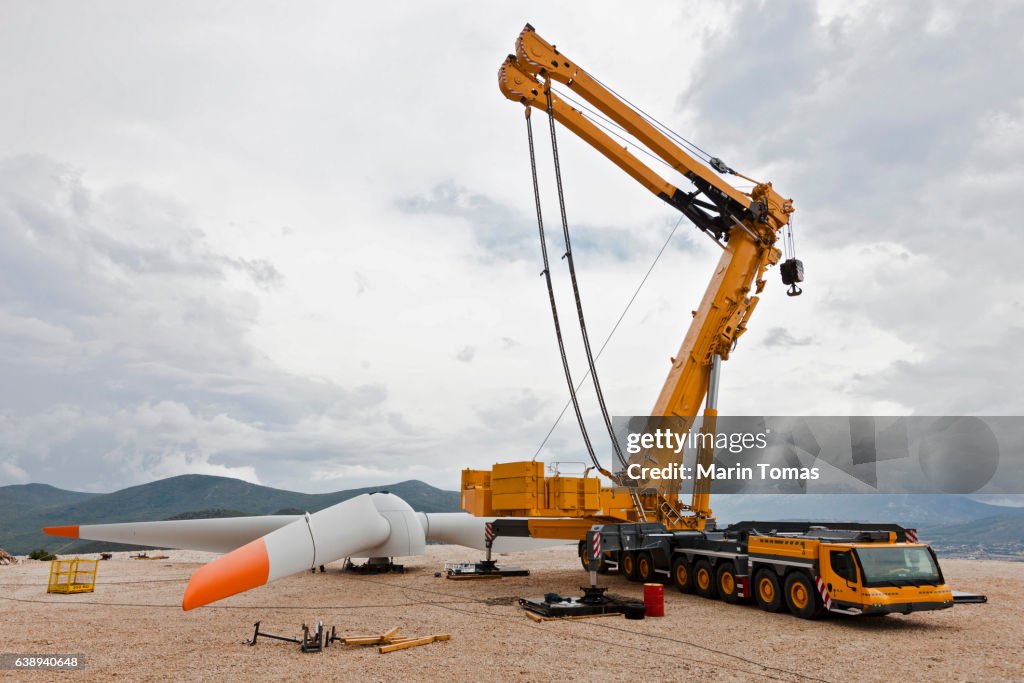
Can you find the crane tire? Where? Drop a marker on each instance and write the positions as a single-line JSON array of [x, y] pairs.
[[704, 580], [725, 581], [801, 597], [629, 568], [682, 575], [767, 591], [645, 568]]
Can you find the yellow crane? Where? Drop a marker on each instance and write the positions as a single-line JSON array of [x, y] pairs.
[[639, 527], [746, 225]]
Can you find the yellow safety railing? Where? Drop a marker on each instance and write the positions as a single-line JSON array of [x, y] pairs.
[[72, 576]]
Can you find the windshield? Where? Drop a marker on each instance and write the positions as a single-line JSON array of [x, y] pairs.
[[898, 566]]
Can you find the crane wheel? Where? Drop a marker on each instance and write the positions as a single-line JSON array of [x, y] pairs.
[[768, 591], [682, 575], [704, 580], [645, 568], [629, 566], [728, 588], [801, 597]]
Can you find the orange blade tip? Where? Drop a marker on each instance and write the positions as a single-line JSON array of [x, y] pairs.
[[236, 572], [65, 531]]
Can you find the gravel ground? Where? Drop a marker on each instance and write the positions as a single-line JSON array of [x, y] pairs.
[[132, 628]]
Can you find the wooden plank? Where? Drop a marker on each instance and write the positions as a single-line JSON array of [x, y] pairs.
[[415, 642], [584, 616], [538, 618], [368, 640], [386, 637], [372, 640]]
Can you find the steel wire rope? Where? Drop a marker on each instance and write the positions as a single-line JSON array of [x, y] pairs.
[[615, 327], [551, 297], [576, 290], [693, 147]]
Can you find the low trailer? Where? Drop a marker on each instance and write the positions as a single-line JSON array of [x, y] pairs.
[[807, 568]]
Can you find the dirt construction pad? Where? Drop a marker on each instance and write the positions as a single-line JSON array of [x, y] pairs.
[[132, 628]]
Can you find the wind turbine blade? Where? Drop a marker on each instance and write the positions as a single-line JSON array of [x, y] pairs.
[[219, 535], [339, 531], [461, 528]]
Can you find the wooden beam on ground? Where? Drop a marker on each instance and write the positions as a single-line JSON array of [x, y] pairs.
[[538, 618], [386, 637], [415, 642]]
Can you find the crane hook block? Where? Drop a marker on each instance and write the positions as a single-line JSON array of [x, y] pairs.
[[792, 271]]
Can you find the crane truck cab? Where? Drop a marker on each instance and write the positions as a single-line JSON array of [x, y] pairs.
[[851, 572]]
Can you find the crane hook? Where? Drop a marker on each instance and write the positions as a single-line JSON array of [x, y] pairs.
[[792, 271]]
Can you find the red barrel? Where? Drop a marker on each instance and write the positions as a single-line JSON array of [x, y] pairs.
[[654, 599]]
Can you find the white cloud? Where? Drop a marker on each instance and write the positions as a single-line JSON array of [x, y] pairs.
[[256, 243]]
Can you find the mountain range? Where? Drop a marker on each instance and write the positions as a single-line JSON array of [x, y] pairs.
[[955, 525]]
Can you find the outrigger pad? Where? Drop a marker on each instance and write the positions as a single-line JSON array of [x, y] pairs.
[[962, 598], [481, 570], [593, 602]]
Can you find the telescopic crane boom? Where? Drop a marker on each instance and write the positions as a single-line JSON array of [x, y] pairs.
[[745, 224]]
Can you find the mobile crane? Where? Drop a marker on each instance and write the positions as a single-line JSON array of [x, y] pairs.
[[640, 527]]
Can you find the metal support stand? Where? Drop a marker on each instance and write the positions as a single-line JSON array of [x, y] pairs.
[[594, 601], [485, 569], [257, 633], [314, 641], [373, 565]]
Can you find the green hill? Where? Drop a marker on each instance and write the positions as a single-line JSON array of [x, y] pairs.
[[28, 508], [1005, 529], [951, 522], [911, 510], [16, 499]]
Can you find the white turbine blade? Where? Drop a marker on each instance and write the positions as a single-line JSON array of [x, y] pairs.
[[461, 528], [219, 535], [339, 531]]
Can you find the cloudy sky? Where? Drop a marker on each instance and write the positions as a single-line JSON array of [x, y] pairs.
[[294, 243]]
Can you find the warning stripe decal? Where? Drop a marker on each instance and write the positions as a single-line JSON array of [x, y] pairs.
[[823, 589]]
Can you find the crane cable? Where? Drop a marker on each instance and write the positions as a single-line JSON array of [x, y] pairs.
[[615, 327], [554, 307], [575, 286], [692, 147]]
